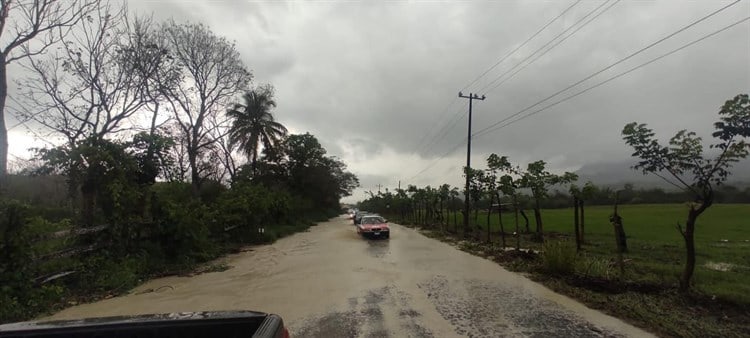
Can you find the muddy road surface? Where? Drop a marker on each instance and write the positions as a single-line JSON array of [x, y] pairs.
[[329, 282]]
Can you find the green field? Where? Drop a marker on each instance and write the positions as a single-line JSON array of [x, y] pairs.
[[656, 249]]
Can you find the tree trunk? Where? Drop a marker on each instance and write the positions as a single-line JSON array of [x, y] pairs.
[[151, 167], [3, 128], [583, 221], [442, 216], [538, 218], [489, 213], [620, 238], [518, 231], [420, 219], [414, 213], [616, 221], [455, 218], [254, 161], [88, 200], [526, 220], [576, 223], [689, 235], [192, 150], [500, 220]]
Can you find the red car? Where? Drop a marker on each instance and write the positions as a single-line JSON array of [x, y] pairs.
[[373, 226]]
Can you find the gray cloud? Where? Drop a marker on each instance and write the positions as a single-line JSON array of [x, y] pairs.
[[369, 79]]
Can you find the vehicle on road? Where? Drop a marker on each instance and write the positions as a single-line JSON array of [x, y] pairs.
[[358, 216], [180, 324], [374, 226]]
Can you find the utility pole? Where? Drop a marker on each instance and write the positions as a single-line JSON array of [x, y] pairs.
[[471, 98], [379, 185]]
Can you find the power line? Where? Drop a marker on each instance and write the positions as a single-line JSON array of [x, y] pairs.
[[444, 131], [610, 66], [552, 47], [543, 46], [438, 160], [436, 136], [434, 124], [520, 46], [491, 127], [421, 146], [614, 77]]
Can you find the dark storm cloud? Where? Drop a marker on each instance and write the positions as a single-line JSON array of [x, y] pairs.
[[369, 79]]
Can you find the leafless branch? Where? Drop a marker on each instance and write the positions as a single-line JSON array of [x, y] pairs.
[[88, 88]]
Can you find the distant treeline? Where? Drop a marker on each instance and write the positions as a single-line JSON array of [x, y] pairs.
[[628, 194], [599, 195]]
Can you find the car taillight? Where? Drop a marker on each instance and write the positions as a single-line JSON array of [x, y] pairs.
[[285, 333]]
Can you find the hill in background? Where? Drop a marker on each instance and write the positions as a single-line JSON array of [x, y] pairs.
[[619, 173]]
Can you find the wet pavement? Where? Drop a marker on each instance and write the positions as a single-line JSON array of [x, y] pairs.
[[329, 282]]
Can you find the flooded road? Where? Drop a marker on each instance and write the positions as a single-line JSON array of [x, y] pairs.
[[329, 282]]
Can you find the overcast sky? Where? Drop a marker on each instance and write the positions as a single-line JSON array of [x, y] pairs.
[[375, 81]]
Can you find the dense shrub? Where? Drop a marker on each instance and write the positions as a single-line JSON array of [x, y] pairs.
[[137, 228], [182, 231], [19, 298], [104, 273]]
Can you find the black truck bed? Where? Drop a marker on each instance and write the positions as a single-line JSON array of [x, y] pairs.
[[181, 324]]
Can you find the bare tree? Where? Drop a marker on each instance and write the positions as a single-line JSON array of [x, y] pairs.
[[226, 151], [179, 171], [88, 88], [213, 75], [27, 29], [148, 55]]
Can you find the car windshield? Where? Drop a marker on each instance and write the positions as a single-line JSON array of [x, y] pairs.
[[373, 220]]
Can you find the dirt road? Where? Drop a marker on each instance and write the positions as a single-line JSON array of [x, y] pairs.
[[328, 282]]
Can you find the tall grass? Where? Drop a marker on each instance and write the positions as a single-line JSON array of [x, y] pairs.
[[558, 258]]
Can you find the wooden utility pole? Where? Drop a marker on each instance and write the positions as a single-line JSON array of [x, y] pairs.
[[471, 98]]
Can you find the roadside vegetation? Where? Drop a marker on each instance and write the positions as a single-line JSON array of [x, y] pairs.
[[675, 262], [167, 156]]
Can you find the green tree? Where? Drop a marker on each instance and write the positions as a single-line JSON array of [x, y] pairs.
[[508, 186], [537, 179], [253, 124], [476, 190], [300, 164], [489, 183], [444, 194], [454, 193], [683, 164]]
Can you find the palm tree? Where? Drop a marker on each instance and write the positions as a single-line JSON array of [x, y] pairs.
[[254, 125]]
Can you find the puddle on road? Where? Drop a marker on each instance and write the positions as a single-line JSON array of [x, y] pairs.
[[378, 248], [383, 312], [484, 309]]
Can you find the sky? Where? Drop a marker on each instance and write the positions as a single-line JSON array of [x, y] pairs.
[[378, 82]]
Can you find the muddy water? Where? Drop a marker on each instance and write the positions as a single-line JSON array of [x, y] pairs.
[[328, 282]]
